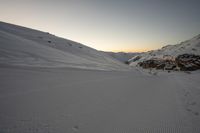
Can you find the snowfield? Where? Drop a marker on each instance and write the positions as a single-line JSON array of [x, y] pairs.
[[60, 100], [28, 47], [121, 56], [53, 85]]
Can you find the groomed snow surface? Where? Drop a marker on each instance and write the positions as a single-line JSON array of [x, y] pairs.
[[66, 100], [53, 85]]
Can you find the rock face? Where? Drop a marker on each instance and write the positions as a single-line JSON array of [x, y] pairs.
[[188, 62], [158, 64], [152, 63], [184, 62]]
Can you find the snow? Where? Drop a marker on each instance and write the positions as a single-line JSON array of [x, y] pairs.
[[191, 46], [121, 56], [49, 100], [53, 85], [28, 47]]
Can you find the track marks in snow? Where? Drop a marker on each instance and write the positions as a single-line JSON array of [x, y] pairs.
[[110, 103], [20, 93]]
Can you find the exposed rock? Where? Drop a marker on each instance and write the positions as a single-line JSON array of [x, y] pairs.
[[184, 62], [170, 67], [188, 62], [170, 64], [153, 63], [161, 66], [169, 53], [135, 58]]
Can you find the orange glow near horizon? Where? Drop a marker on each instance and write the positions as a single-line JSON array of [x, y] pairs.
[[103, 25], [131, 50]]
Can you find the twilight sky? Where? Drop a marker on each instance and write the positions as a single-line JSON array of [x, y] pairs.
[[109, 25]]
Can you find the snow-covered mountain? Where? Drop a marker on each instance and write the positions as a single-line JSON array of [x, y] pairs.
[[27, 47], [169, 52], [42, 99], [121, 56]]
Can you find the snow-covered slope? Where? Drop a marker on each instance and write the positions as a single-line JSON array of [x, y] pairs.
[[191, 46], [121, 56], [28, 47]]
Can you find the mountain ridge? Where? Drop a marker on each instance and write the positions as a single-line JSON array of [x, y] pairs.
[[188, 50], [30, 47]]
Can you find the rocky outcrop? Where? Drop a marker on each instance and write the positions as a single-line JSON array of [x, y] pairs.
[[188, 62], [152, 63], [184, 62], [158, 64]]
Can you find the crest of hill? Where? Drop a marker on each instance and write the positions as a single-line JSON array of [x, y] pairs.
[[22, 46]]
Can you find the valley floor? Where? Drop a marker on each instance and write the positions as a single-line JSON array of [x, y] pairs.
[[66, 100]]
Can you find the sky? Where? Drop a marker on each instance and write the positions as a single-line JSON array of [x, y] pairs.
[[109, 25]]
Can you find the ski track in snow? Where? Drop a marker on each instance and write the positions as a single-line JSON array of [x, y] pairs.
[[71, 85], [90, 101]]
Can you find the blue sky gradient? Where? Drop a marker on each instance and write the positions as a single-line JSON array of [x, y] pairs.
[[110, 25]]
